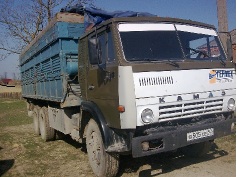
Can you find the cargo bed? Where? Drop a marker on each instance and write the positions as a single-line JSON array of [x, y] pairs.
[[49, 64]]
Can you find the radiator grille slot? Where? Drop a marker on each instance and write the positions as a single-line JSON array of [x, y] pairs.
[[176, 111], [150, 81]]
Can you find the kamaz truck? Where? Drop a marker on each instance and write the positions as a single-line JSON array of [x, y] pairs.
[[132, 84]]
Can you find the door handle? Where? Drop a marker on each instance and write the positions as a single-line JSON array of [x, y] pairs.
[[91, 87]]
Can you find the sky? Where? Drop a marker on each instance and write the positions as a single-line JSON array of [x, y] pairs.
[[196, 10]]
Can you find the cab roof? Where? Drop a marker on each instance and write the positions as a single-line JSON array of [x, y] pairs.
[[149, 20]]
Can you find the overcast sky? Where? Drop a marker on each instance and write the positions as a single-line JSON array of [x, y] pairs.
[[197, 10]]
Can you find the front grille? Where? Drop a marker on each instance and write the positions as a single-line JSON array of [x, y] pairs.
[[195, 108]]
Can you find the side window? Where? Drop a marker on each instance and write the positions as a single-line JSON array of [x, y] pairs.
[[111, 56], [194, 47], [102, 49]]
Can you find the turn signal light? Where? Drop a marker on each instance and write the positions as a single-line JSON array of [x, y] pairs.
[[121, 108]]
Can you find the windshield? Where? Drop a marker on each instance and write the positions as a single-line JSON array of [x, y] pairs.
[[158, 42]]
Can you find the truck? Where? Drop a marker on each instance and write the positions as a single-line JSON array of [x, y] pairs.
[[132, 84]]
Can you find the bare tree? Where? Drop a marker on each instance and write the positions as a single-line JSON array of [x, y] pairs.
[[21, 21]]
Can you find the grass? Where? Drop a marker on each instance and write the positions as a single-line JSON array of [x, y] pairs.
[[13, 113], [19, 144], [22, 153]]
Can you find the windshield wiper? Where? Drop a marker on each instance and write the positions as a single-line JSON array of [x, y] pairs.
[[172, 63], [221, 60]]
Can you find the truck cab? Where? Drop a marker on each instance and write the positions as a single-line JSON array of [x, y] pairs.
[[159, 83]]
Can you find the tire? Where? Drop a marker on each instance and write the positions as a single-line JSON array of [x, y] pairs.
[[102, 163], [36, 120], [197, 150], [47, 133]]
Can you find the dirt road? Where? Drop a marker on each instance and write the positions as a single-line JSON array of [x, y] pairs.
[[24, 154], [32, 157]]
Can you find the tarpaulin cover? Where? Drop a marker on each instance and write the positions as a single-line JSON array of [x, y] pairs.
[[94, 16]]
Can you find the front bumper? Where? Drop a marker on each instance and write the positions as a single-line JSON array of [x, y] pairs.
[[177, 137]]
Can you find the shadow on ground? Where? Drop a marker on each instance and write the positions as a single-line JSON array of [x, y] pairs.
[[74, 143], [164, 162], [5, 165]]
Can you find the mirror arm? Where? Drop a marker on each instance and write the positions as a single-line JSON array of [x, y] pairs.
[[229, 48]]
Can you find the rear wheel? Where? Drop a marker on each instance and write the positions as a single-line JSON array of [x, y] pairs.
[[36, 120], [102, 163], [197, 150], [47, 133]]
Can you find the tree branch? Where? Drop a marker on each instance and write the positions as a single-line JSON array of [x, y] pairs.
[[22, 22], [10, 50]]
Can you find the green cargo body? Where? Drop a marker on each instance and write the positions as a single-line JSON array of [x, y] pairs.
[[49, 65]]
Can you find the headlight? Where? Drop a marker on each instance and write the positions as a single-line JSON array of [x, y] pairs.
[[231, 104], [147, 116]]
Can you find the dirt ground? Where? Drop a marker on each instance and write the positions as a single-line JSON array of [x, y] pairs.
[[24, 154]]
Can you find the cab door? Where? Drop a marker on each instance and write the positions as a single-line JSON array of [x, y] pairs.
[[102, 78]]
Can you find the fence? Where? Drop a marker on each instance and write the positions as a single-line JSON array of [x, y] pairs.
[[12, 95]]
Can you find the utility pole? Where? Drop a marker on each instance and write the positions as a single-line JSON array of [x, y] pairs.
[[14, 76], [222, 21]]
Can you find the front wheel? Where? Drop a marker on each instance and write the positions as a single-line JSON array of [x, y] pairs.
[[102, 163]]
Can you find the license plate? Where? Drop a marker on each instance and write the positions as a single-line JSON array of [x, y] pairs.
[[200, 134]]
